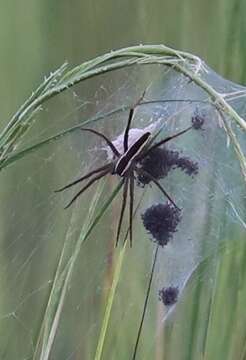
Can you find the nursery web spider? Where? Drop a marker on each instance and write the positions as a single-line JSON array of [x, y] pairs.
[[125, 165]]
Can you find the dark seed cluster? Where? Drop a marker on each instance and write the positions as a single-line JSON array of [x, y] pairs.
[[169, 295], [197, 120], [187, 165], [161, 221], [160, 161]]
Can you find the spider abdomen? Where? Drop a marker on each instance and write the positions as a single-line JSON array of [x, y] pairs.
[[126, 160]]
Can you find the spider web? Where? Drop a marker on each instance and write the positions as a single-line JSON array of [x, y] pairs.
[[34, 224]]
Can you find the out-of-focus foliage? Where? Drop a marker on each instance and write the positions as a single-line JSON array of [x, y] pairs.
[[36, 37]]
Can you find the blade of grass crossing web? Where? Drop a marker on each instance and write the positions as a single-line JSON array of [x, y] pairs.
[[57, 293], [109, 304], [117, 272], [63, 276]]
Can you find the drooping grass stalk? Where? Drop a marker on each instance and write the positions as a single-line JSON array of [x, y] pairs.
[[187, 64], [23, 118], [223, 108]]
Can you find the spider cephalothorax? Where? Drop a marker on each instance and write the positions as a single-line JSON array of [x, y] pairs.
[[128, 165]]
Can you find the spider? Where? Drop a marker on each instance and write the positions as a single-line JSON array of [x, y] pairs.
[[126, 165]]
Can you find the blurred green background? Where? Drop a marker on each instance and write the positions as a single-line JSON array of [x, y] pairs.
[[38, 36]]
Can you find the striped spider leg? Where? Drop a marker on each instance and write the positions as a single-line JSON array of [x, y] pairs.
[[125, 165]]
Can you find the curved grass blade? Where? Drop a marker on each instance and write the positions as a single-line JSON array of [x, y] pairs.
[[182, 62]]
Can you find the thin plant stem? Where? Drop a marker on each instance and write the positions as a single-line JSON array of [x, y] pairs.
[[110, 301], [111, 296], [145, 304]]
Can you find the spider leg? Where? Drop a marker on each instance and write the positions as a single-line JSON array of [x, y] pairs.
[[131, 206], [134, 214], [166, 140], [86, 176], [123, 206], [105, 172], [126, 134], [145, 173], [110, 144]]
